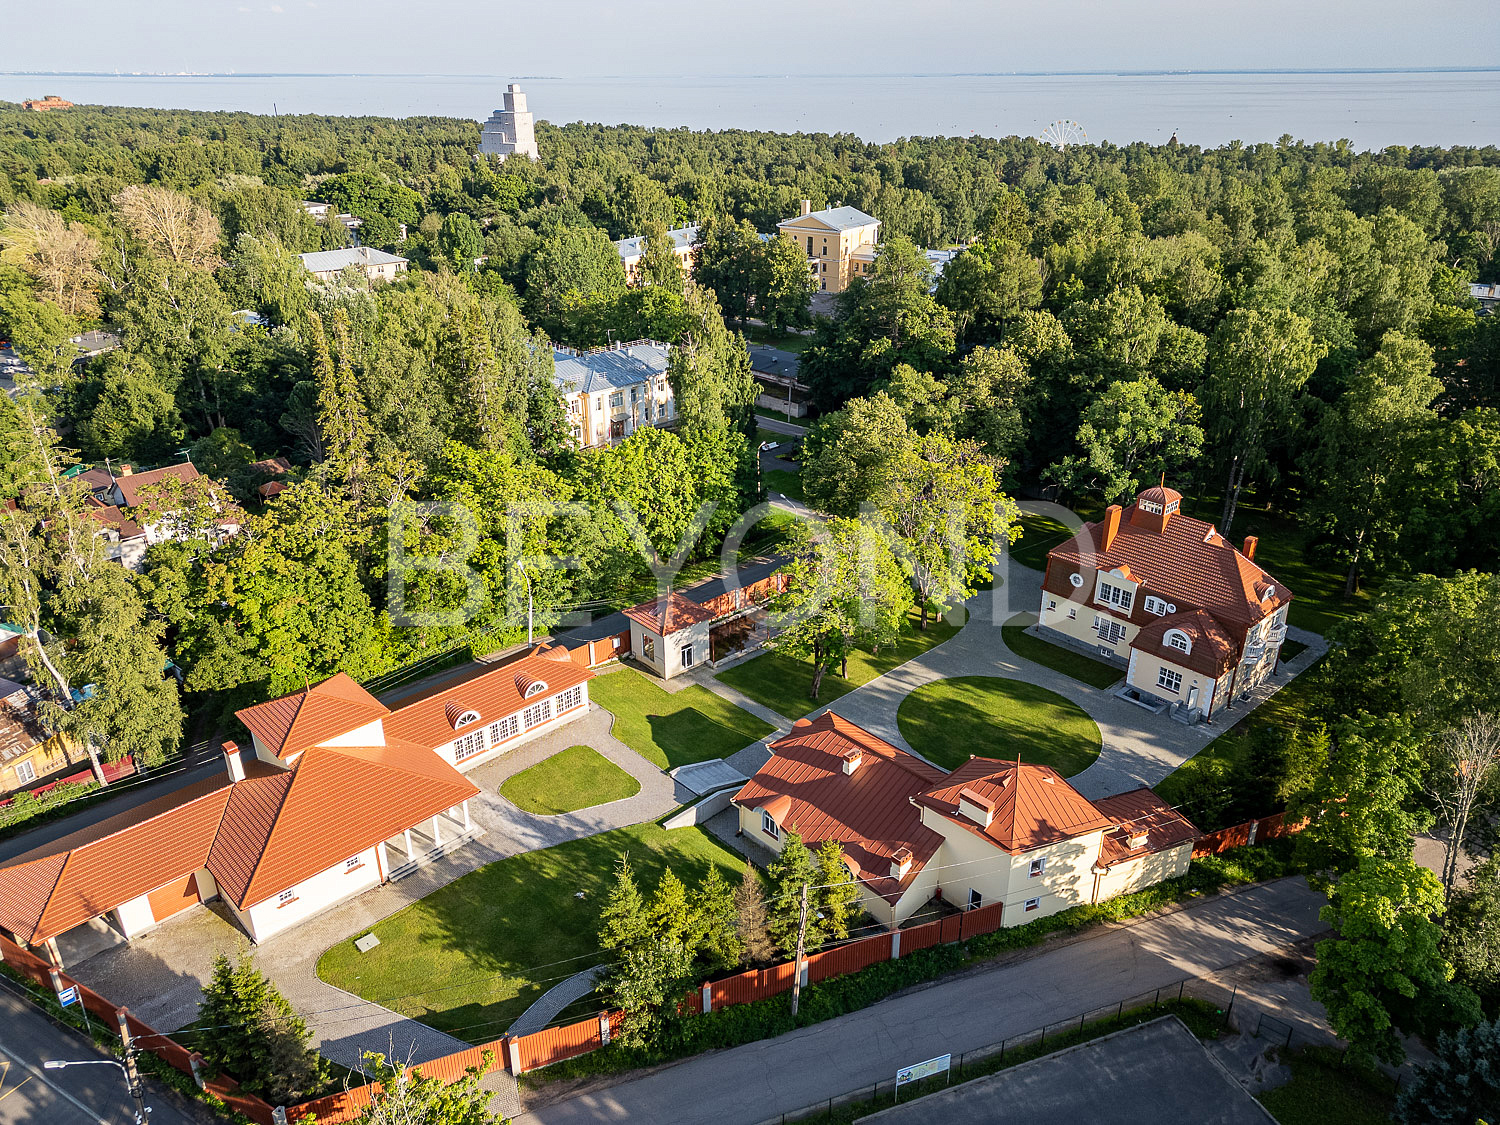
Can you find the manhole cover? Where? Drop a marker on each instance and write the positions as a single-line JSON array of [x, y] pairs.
[[366, 943]]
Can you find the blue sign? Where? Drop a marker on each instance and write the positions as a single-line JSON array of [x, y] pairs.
[[923, 1070], [68, 996]]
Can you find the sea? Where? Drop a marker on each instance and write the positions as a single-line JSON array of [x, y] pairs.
[[1372, 110]]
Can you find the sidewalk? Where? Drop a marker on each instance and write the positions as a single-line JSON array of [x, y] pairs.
[[750, 1084]]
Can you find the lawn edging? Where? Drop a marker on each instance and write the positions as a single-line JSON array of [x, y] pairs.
[[739, 1024]]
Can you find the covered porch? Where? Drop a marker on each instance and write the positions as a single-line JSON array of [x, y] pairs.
[[427, 841]]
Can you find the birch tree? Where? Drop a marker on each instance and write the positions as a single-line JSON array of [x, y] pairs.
[[1466, 758]]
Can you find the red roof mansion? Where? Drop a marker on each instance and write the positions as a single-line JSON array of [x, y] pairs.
[[1192, 619]]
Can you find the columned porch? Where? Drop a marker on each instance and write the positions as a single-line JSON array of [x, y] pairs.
[[426, 841]]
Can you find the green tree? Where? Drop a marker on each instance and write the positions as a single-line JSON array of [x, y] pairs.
[[407, 1097], [944, 503], [751, 920], [837, 898], [1135, 431], [1258, 363], [1364, 462], [727, 261], [886, 319], [624, 921], [1364, 802], [845, 589], [793, 869], [670, 917], [579, 261], [343, 422], [783, 286], [251, 1032], [460, 241], [659, 266], [1471, 931], [990, 390], [716, 936], [848, 456], [1384, 974], [987, 284], [266, 213], [1461, 1086]]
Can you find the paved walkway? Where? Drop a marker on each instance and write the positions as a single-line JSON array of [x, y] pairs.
[[756, 1082], [1139, 748], [550, 1003]]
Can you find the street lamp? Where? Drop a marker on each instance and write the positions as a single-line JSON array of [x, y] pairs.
[[132, 1083]]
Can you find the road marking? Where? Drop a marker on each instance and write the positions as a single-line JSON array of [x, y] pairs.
[[40, 1077]]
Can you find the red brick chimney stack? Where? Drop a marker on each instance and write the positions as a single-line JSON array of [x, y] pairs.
[[1111, 527]]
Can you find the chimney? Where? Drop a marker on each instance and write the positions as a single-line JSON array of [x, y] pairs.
[[233, 763], [807, 207], [125, 471], [900, 863], [852, 758], [1137, 839], [1249, 551], [1111, 527], [976, 808]]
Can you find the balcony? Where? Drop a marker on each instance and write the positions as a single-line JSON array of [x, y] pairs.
[[1253, 652]]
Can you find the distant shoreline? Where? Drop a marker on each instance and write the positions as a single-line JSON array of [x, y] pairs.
[[1161, 73]]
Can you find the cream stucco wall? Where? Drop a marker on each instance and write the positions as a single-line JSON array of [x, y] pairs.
[[1145, 871], [311, 896], [448, 752], [1145, 669], [666, 657], [134, 917], [830, 249], [1054, 614]]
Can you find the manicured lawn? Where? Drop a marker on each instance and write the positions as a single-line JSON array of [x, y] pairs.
[[576, 778], [787, 341], [948, 720], [787, 483], [1095, 673], [1323, 1092], [1039, 534], [673, 728], [782, 682], [472, 956]]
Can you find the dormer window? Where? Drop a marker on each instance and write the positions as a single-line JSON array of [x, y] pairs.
[[1158, 606], [1270, 593], [1179, 640], [1117, 596], [1172, 506], [1150, 506], [533, 689], [466, 718]]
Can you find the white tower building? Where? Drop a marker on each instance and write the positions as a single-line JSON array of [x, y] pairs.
[[510, 131]]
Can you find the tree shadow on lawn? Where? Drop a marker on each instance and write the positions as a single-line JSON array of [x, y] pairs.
[[691, 736], [472, 956], [988, 717]]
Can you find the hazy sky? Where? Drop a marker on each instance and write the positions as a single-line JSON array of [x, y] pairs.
[[701, 37]]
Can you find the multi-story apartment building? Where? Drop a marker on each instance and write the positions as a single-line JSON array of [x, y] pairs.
[[612, 392], [840, 243], [633, 249]]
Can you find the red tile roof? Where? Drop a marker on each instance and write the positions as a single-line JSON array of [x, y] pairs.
[[665, 616], [110, 516], [495, 693], [20, 727], [282, 831], [1188, 562], [273, 466], [257, 837], [1038, 809], [1136, 812], [130, 486], [869, 812], [1212, 648], [325, 710]]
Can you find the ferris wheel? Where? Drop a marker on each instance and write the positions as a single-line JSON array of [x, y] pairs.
[[1061, 134]]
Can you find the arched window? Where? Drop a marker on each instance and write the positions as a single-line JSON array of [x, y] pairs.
[[466, 718], [535, 687], [1179, 640]]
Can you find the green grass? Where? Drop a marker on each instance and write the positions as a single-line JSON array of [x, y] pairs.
[[1325, 1092], [673, 728], [948, 720], [794, 342], [576, 778], [787, 483], [783, 682], [1039, 534], [1085, 669], [472, 956]]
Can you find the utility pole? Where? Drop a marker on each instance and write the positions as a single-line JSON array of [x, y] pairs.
[[132, 1073], [800, 961]]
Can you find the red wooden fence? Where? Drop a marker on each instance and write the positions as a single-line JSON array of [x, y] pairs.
[[1252, 831]]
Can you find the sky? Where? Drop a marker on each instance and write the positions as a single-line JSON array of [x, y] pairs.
[[577, 38]]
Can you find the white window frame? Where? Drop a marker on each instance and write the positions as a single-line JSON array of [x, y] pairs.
[[1157, 605], [1110, 631], [470, 744], [976, 900], [25, 772], [769, 826], [567, 700], [1169, 679], [687, 656], [1031, 904], [505, 728], [1179, 640], [352, 863], [1117, 596], [287, 896], [537, 715], [1037, 868]]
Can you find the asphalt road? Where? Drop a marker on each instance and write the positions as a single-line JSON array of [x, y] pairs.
[[82, 1095], [758, 1081]]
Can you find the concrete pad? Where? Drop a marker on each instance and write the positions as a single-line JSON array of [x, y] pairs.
[[705, 777], [1157, 1072]]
